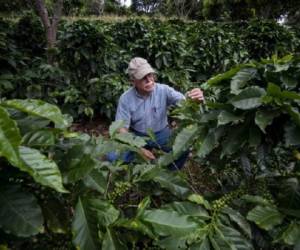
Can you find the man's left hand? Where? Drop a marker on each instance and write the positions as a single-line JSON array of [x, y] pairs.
[[196, 94]]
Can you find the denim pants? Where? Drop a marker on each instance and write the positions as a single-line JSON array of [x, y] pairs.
[[161, 142]]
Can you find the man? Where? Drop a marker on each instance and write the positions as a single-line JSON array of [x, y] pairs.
[[144, 106]]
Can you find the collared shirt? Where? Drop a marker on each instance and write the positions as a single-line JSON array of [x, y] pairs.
[[142, 113]]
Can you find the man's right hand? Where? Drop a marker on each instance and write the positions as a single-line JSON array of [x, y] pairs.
[[148, 154]]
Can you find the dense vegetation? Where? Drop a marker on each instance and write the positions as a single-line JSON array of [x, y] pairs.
[[246, 137], [58, 192], [92, 57]]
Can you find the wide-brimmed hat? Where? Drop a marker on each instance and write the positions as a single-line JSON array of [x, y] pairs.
[[139, 67]]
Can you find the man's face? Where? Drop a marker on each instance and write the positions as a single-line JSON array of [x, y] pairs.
[[145, 85]]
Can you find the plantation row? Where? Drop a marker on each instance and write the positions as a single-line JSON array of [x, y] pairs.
[[91, 57], [56, 189]]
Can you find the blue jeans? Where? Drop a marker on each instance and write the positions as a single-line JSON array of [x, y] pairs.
[[161, 142]]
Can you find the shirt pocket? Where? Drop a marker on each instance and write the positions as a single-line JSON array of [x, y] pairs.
[[158, 112]]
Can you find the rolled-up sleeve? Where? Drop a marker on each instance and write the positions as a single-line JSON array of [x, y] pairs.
[[123, 113], [173, 96]]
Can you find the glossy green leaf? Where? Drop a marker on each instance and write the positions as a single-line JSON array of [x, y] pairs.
[[234, 141], [115, 126], [107, 214], [249, 98], [265, 217], [188, 208], [240, 220], [167, 222], [10, 138], [96, 180], [85, 225], [173, 182], [226, 117], [172, 242], [43, 170], [294, 113], [39, 138], [292, 135], [203, 245], [263, 118], [240, 79], [229, 238], [210, 141], [136, 225], [20, 213], [143, 205], [199, 199], [130, 139], [292, 233], [77, 164], [41, 109], [184, 138], [112, 241], [225, 76], [56, 216]]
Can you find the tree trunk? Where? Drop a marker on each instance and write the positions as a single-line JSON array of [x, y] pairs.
[[50, 24]]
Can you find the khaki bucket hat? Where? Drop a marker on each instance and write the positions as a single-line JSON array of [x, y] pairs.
[[139, 67]]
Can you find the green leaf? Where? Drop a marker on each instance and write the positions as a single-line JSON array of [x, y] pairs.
[[225, 76], [199, 199], [56, 216], [263, 118], [143, 205], [85, 226], [184, 138], [112, 241], [77, 164], [96, 180], [210, 141], [115, 126], [256, 200], [172, 242], [240, 79], [10, 138], [39, 138], [202, 245], [265, 217], [107, 214], [240, 220], [229, 238], [294, 113], [173, 182], [292, 135], [136, 225], [145, 172], [41, 109], [187, 208], [165, 222], [20, 213], [43, 170], [249, 98], [235, 139], [292, 234], [130, 139], [226, 117]]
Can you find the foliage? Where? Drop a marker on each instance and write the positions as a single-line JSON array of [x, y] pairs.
[[245, 10], [92, 57], [248, 133]]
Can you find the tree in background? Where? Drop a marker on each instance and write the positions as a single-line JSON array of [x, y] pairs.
[[14, 6], [50, 23], [247, 9], [145, 6]]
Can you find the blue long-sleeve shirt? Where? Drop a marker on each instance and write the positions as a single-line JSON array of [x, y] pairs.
[[141, 114]]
